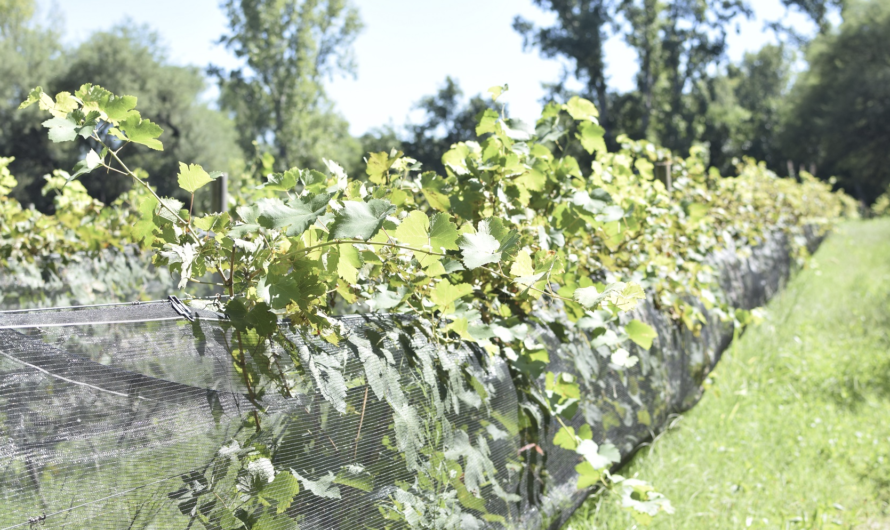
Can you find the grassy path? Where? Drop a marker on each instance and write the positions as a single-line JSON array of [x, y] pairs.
[[794, 430]]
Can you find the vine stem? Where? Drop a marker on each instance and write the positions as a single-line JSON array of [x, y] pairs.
[[374, 243], [145, 185], [360, 422], [530, 288]]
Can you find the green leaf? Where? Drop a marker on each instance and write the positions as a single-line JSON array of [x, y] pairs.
[[37, 95], [314, 182], [587, 475], [141, 131], [443, 233], [480, 248], [192, 177], [432, 186], [355, 477], [591, 452], [591, 136], [522, 266], [623, 295], [566, 438], [436, 235], [378, 166], [298, 215], [414, 230], [349, 263], [487, 122], [283, 181], [282, 490], [360, 219], [446, 294], [301, 289], [262, 319], [64, 104], [323, 487], [581, 109], [642, 334], [496, 91], [117, 108], [89, 163], [61, 129]]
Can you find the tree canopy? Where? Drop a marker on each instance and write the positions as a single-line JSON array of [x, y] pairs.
[[278, 99], [838, 117]]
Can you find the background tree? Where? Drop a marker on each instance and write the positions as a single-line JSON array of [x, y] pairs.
[[289, 47], [30, 53], [745, 109], [578, 35], [679, 45], [838, 116], [448, 120]]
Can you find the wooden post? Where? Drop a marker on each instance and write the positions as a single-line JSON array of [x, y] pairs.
[[220, 191], [663, 173]]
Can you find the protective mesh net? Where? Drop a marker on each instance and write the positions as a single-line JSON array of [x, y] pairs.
[[134, 416]]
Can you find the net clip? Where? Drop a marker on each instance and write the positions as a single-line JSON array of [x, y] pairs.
[[181, 308]]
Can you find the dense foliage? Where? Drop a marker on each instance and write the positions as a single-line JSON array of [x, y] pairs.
[[514, 233]]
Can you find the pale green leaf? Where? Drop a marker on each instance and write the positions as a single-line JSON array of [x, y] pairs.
[[591, 136], [480, 248], [581, 109], [61, 129], [89, 163], [642, 334], [487, 122], [414, 230], [192, 177], [446, 294], [497, 90]]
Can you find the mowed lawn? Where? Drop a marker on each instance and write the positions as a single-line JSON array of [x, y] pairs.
[[794, 428]]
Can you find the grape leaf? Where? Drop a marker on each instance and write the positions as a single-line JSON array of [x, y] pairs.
[[117, 108], [480, 248], [432, 186], [360, 219], [141, 131], [89, 163], [566, 438], [192, 177], [297, 215], [487, 121], [581, 109], [414, 230], [37, 95], [282, 490], [61, 129], [378, 166], [443, 233], [642, 334], [446, 294], [299, 288], [591, 136]]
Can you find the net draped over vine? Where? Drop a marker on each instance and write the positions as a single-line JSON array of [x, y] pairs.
[[135, 416]]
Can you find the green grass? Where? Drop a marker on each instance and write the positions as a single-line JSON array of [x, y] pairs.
[[794, 429]]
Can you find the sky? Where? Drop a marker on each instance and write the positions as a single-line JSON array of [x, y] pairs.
[[405, 52]]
